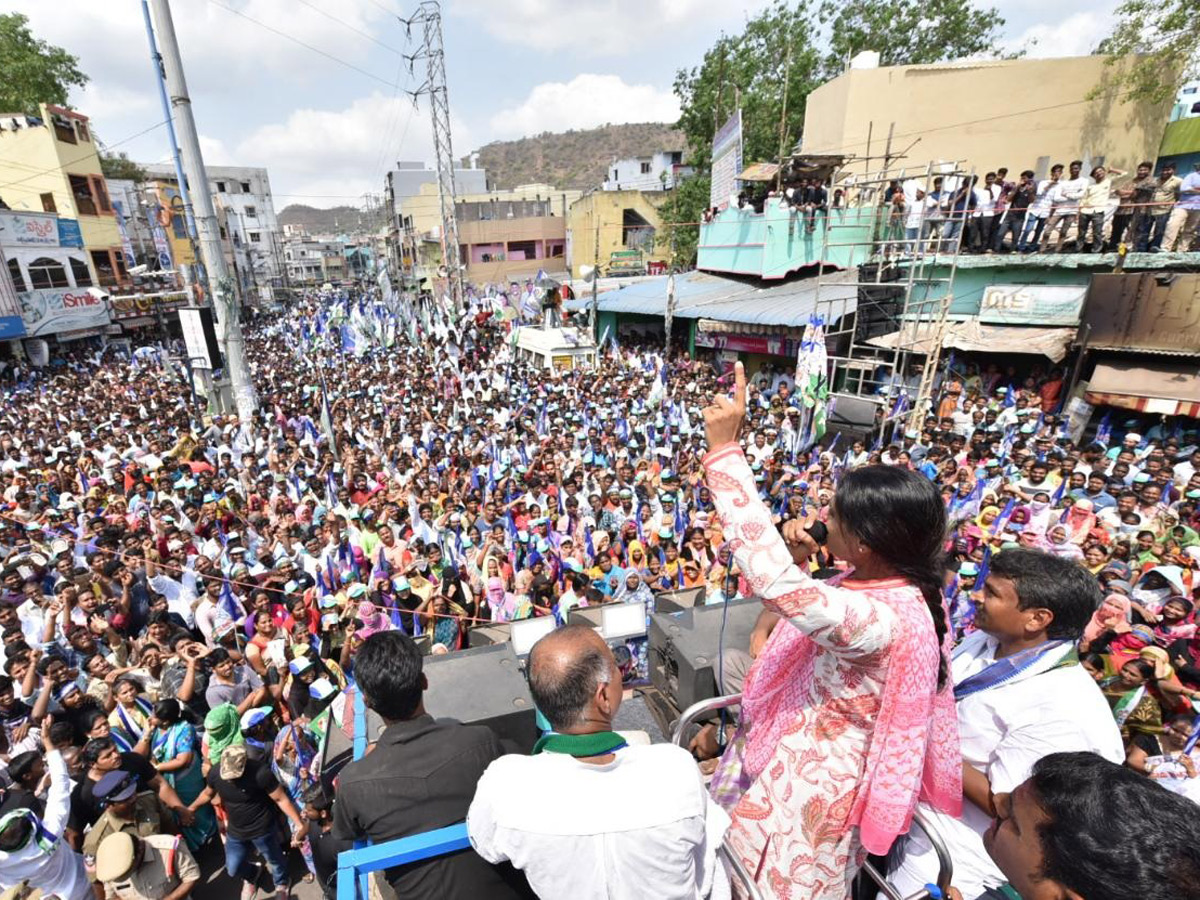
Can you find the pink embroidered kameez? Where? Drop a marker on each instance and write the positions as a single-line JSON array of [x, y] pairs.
[[836, 745]]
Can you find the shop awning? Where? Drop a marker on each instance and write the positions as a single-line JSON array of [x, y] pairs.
[[971, 336], [1169, 390], [763, 171]]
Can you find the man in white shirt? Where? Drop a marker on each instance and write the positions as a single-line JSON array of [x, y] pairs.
[[1022, 695], [588, 817], [1065, 198]]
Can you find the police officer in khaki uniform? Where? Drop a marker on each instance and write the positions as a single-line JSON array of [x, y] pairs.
[[124, 810], [159, 867]]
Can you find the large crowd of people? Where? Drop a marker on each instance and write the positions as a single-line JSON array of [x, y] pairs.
[[186, 601]]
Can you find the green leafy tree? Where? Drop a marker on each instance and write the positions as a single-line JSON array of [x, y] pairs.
[[1154, 49], [32, 71], [812, 43], [772, 59], [119, 165], [907, 32], [681, 213]]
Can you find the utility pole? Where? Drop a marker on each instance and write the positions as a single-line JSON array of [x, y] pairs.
[[209, 237], [595, 268]]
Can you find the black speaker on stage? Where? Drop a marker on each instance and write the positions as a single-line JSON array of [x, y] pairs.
[[685, 651], [677, 601], [487, 635], [484, 686], [592, 616]]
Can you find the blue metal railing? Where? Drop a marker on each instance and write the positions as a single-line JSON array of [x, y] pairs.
[[354, 866]]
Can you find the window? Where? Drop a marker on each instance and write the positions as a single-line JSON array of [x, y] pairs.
[[645, 168], [100, 190], [81, 131], [220, 187], [251, 212], [245, 187], [45, 272], [178, 226], [48, 204], [63, 130], [18, 280], [81, 189], [255, 237], [80, 271], [104, 267]]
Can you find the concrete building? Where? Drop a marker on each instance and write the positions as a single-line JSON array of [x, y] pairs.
[[49, 163], [246, 213], [313, 261], [52, 275], [627, 221], [1021, 113], [660, 171]]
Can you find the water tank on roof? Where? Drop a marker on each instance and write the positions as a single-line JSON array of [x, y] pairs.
[[868, 59]]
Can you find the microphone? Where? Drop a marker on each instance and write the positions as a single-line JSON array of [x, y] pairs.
[[818, 532]]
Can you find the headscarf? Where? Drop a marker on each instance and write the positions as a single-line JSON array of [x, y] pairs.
[[1062, 546], [641, 593], [372, 620], [222, 730], [1080, 520], [1113, 615]]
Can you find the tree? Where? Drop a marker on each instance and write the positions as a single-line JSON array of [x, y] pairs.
[[32, 71], [748, 71], [683, 209], [812, 44], [119, 165], [907, 32], [1154, 48]]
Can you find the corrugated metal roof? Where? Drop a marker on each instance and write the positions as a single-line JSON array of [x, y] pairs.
[[703, 295]]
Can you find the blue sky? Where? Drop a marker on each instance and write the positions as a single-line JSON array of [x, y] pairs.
[[328, 130]]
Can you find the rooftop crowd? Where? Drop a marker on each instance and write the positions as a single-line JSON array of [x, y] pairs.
[[185, 601]]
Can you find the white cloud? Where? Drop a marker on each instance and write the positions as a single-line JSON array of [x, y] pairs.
[[1076, 35], [326, 157], [600, 27], [584, 102]]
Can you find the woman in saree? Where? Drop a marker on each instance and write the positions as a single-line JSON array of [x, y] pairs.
[[847, 714], [1110, 621], [175, 753], [1133, 705]]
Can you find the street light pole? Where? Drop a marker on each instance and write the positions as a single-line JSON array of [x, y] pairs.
[[219, 282]]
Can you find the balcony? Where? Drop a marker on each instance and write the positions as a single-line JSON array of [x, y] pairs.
[[781, 240]]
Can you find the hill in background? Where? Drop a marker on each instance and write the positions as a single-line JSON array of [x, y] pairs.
[[573, 159], [321, 221]]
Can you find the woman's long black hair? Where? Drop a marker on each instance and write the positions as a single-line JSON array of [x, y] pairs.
[[900, 515]]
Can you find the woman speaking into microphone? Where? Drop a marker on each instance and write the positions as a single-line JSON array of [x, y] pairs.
[[847, 716]]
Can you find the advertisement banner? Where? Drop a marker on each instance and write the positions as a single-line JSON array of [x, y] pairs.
[[11, 325], [163, 247], [28, 229], [132, 306], [62, 310], [126, 244], [726, 161], [69, 234], [1032, 304]]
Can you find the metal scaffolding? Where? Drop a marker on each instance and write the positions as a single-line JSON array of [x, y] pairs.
[[904, 293]]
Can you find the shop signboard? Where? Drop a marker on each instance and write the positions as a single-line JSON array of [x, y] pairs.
[[29, 229], [69, 233], [1032, 304], [63, 310], [131, 306], [11, 325], [1148, 311], [726, 161]]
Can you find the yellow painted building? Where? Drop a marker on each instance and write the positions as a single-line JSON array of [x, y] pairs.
[[1021, 114], [171, 217], [49, 163], [627, 220]]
